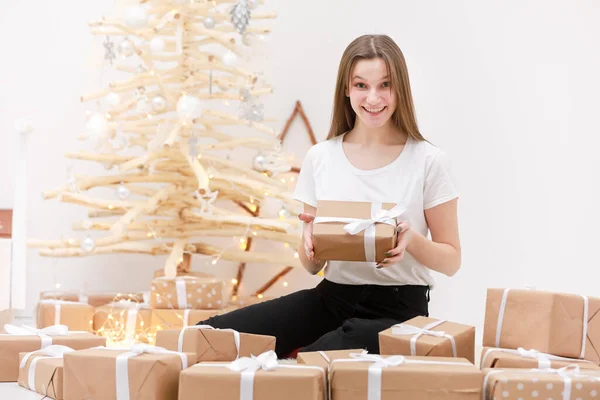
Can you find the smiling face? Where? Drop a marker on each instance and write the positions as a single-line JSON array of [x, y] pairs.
[[370, 92]]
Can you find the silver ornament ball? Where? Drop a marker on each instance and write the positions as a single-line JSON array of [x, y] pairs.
[[159, 103], [126, 48], [122, 192], [88, 244], [258, 162], [209, 22]]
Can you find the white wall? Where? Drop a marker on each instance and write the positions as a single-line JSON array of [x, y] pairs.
[[509, 89]]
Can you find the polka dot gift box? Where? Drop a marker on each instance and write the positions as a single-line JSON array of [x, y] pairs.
[[570, 383], [188, 292]]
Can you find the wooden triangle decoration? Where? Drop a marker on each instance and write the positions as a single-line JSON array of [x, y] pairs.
[[298, 112]]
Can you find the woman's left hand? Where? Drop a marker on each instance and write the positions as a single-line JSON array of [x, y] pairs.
[[404, 232]]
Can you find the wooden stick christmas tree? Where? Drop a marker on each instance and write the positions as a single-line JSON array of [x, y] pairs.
[[163, 135]]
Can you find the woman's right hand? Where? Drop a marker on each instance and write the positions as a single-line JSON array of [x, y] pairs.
[[308, 236]]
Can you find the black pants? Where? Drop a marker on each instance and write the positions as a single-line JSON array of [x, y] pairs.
[[331, 316]]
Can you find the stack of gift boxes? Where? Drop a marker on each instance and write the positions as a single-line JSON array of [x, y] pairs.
[[537, 345]]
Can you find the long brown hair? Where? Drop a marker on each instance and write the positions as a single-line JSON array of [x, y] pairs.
[[364, 48]]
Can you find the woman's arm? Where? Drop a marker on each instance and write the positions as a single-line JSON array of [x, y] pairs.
[[306, 250], [442, 253]]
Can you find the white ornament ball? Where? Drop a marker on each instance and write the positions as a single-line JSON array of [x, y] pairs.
[[157, 45], [259, 162], [159, 103], [230, 58], [23, 125], [188, 107], [126, 48], [97, 125], [113, 99], [136, 17], [88, 244], [122, 192], [209, 22]]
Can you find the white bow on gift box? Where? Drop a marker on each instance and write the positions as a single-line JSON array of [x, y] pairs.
[[380, 362], [356, 225], [405, 329], [248, 366], [122, 364], [45, 334], [54, 351]]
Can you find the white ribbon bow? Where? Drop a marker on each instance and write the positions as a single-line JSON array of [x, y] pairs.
[[503, 309], [566, 373], [45, 334], [122, 367], [381, 362], [54, 351], [236, 336], [356, 225], [544, 359], [405, 329], [248, 366]]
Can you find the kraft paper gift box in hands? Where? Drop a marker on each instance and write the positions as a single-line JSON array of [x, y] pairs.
[[566, 325], [355, 231]]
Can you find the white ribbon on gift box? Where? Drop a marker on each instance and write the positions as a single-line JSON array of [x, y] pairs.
[[356, 225], [381, 362], [503, 309], [248, 366], [406, 329], [45, 334], [186, 317], [133, 310], [567, 373], [122, 364], [54, 351], [544, 359], [57, 307], [236, 336]]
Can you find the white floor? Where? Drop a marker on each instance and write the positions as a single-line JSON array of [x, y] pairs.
[[13, 391]]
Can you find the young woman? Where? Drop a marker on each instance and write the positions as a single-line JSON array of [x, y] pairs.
[[374, 152]]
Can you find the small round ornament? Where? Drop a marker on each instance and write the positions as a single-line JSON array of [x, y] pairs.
[[88, 244]]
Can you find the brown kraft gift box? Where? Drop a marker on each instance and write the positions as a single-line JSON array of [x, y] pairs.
[[332, 242], [217, 381], [102, 299], [12, 345], [91, 375], [450, 379], [200, 293], [48, 375], [214, 344], [535, 384], [551, 323], [173, 319], [317, 359], [428, 345], [60, 295], [159, 273], [113, 320], [77, 316], [510, 358]]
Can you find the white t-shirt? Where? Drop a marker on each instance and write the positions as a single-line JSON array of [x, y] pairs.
[[418, 178]]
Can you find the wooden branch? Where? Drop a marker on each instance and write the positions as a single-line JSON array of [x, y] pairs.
[[273, 280], [175, 258], [146, 207]]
